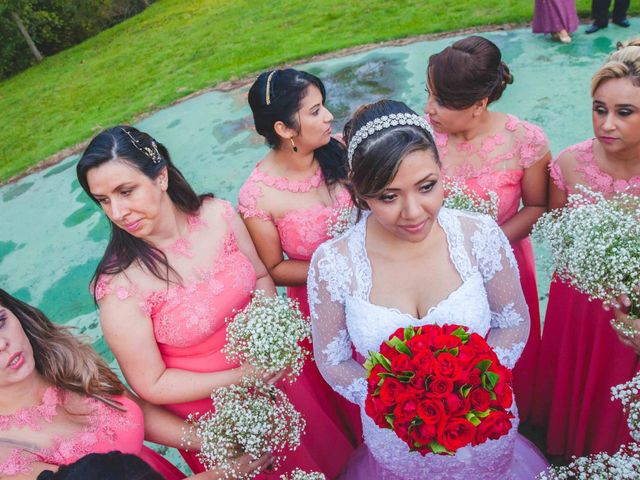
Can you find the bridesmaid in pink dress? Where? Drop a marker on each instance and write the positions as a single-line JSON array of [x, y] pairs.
[[60, 402], [177, 265], [492, 152], [286, 204], [581, 357]]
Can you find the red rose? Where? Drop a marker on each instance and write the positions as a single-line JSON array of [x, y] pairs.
[[504, 395], [406, 407], [440, 386], [376, 409], [480, 399], [374, 378], [389, 390], [431, 410], [424, 434], [447, 365], [494, 426], [402, 430], [423, 362], [446, 341], [417, 343], [449, 329], [401, 363], [454, 405], [471, 377], [418, 381], [456, 433]]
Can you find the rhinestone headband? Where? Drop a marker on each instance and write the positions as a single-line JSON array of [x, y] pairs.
[[385, 121], [151, 152], [268, 92]]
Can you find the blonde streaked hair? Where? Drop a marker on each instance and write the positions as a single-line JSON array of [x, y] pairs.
[[623, 63], [61, 358]]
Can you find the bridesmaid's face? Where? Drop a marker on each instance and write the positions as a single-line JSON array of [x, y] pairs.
[[16, 353], [443, 119], [409, 205], [314, 120], [130, 199], [616, 115]]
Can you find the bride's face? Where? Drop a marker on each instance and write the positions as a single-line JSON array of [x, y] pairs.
[[409, 205]]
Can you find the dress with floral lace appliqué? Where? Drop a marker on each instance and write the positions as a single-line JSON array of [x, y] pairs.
[[98, 428], [489, 302], [581, 357], [333, 425], [189, 318], [497, 164]]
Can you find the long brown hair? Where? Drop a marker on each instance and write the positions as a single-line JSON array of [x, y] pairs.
[[60, 357]]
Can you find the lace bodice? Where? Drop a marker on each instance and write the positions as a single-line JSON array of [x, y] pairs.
[[489, 301], [576, 165], [220, 280], [48, 433], [301, 229], [496, 162]]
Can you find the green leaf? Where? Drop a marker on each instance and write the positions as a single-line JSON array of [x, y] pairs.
[[482, 414], [389, 418], [438, 448], [454, 351], [464, 390], [472, 418], [461, 334], [493, 395], [384, 362], [483, 365], [376, 392], [400, 346], [493, 379], [409, 332], [369, 364]]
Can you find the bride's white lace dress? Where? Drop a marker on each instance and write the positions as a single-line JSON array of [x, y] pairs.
[[489, 301]]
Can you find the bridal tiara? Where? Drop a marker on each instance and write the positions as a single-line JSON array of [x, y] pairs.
[[385, 121]]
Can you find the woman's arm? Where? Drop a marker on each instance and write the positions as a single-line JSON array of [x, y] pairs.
[[246, 246], [534, 199], [288, 273]]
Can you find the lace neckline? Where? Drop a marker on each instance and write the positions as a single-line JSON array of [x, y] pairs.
[[182, 246], [32, 415], [284, 183], [444, 218], [590, 168]]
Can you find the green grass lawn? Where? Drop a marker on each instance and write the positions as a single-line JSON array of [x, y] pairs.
[[177, 47]]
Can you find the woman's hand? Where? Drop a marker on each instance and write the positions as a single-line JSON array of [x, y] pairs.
[[248, 370], [242, 466], [621, 310]]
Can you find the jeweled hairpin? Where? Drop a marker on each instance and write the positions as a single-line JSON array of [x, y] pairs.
[[383, 122], [268, 92], [151, 152]]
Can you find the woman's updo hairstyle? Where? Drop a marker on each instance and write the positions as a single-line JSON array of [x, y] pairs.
[[377, 158], [623, 63], [275, 96], [468, 71], [142, 152]]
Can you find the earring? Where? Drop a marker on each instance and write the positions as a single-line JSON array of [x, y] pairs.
[[293, 146]]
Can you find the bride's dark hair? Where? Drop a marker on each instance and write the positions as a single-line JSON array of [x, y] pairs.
[[377, 158], [276, 96]]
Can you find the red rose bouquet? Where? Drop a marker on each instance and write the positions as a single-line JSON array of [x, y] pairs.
[[439, 388]]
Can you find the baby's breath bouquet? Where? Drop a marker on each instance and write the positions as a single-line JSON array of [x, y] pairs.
[[595, 245], [629, 394], [299, 474], [341, 220], [267, 334], [460, 197], [253, 418]]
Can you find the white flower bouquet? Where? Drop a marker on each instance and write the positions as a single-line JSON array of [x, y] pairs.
[[253, 418], [341, 220], [595, 245], [629, 394], [299, 474], [267, 334], [460, 197]]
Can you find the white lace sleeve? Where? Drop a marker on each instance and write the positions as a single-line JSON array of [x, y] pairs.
[[509, 312], [327, 285]]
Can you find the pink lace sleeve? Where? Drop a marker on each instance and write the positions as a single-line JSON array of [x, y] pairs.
[[248, 200], [17, 461], [103, 287], [534, 145], [555, 172]]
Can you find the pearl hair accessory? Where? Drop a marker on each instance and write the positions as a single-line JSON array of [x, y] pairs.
[[385, 121], [151, 152]]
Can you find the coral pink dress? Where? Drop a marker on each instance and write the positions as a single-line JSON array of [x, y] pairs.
[[57, 438], [581, 357], [497, 164], [301, 230]]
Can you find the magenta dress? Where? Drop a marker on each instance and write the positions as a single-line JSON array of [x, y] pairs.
[[581, 357], [102, 429], [551, 16], [301, 230], [497, 164]]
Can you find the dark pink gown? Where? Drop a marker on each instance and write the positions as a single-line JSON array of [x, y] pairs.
[[497, 164], [581, 357]]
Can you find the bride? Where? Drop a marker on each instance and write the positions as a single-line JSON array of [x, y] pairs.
[[408, 261]]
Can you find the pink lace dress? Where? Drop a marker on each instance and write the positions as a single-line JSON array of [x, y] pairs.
[[189, 319], [497, 163], [333, 425], [581, 358], [48, 433]]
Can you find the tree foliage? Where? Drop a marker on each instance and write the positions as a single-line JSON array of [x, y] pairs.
[[54, 25]]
